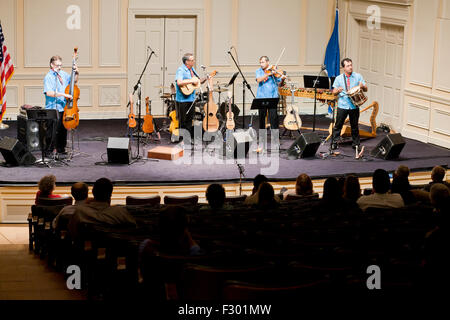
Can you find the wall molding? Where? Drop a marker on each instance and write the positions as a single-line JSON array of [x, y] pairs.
[[427, 96], [93, 75]]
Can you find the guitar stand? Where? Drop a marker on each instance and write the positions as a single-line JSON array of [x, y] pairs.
[[291, 135]]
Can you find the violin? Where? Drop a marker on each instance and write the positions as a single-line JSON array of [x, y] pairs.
[[277, 73], [71, 117]]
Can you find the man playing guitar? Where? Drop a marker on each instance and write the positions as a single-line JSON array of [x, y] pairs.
[[347, 80], [267, 88], [185, 76]]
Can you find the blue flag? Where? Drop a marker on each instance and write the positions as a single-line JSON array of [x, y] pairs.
[[332, 56]]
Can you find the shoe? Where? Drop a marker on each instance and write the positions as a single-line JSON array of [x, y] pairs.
[[334, 146], [354, 147]]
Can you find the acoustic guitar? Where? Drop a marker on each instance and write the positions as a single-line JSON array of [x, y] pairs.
[[230, 124], [131, 115], [147, 127], [71, 117], [211, 122], [292, 119], [190, 88], [174, 124]]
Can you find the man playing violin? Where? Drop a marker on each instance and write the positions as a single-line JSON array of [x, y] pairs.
[[55, 83], [342, 84], [184, 76], [268, 80]]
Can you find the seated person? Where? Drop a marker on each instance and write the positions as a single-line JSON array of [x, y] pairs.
[[400, 185], [175, 237], [253, 199], [402, 171], [437, 176], [380, 198], [79, 192], [215, 194], [46, 187], [99, 210], [266, 197], [352, 189], [440, 198], [303, 186]]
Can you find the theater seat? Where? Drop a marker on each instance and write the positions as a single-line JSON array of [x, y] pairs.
[[67, 200], [153, 200], [193, 200], [235, 199], [291, 197]]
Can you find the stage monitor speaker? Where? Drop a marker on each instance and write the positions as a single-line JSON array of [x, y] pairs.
[[390, 147], [239, 145], [118, 150], [304, 146], [15, 153], [28, 133]]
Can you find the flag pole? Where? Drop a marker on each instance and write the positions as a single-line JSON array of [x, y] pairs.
[[3, 126]]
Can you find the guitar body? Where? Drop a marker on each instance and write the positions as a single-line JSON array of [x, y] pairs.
[[174, 125], [292, 120], [131, 115], [148, 127], [190, 88], [211, 122], [230, 124], [71, 118]]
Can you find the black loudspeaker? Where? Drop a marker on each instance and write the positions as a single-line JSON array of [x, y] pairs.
[[304, 146], [118, 150], [390, 147], [28, 133], [239, 145], [15, 153]]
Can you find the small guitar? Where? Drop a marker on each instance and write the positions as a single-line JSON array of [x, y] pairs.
[[292, 119], [230, 124], [174, 125], [147, 127], [190, 88], [211, 122], [131, 115]]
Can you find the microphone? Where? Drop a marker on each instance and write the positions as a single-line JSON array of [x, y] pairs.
[[323, 67], [148, 47], [229, 51]]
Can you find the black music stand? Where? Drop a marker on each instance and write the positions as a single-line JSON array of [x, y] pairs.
[[317, 82], [265, 103], [42, 116]]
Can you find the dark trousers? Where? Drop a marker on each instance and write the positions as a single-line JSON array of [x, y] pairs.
[[273, 118], [340, 119], [185, 119], [61, 134]]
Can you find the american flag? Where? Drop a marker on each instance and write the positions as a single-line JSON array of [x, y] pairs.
[[6, 72]]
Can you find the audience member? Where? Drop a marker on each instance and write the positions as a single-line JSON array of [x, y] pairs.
[[266, 196], [175, 237], [303, 186], [99, 210], [380, 198], [46, 187], [253, 199], [437, 176], [331, 190], [402, 171], [352, 189], [400, 185], [440, 198], [79, 192], [215, 195]]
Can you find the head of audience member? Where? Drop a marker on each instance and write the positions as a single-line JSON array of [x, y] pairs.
[[331, 189], [173, 227], [79, 191], [46, 185], [215, 194], [257, 181], [400, 184], [266, 195], [380, 181], [303, 185], [438, 174], [102, 190], [440, 197], [402, 171], [352, 188], [341, 182]]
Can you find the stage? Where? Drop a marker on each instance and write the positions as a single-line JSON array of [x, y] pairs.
[[202, 166]]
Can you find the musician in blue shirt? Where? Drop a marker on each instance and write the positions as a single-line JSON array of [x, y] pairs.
[[55, 83], [267, 88], [342, 84], [185, 75]]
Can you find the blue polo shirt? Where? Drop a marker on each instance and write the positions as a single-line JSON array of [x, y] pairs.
[[51, 83], [184, 73], [344, 101], [268, 88]]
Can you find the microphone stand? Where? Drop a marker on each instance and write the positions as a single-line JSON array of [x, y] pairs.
[[315, 99], [137, 87], [244, 84]]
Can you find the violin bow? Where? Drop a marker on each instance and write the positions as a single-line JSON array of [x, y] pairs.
[[279, 58]]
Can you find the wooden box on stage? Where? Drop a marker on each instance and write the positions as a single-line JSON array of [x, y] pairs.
[[165, 153]]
